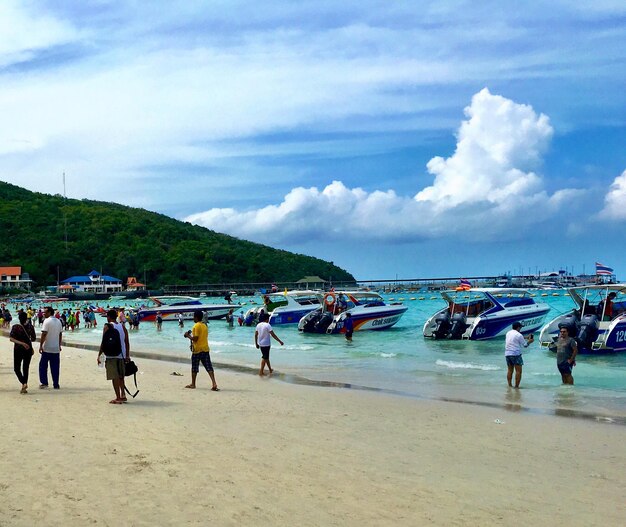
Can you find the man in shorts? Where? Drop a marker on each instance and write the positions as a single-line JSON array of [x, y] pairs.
[[566, 351], [514, 343], [263, 340], [200, 352], [115, 366]]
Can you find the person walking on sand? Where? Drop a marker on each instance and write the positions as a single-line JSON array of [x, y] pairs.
[[566, 351], [263, 340], [200, 352], [116, 348], [22, 335], [513, 345], [50, 349]]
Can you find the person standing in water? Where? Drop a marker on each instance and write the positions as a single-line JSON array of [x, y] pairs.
[[566, 351], [513, 345]]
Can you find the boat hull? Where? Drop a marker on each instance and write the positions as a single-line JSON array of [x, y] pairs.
[[213, 312], [489, 327], [288, 317], [483, 315], [363, 318]]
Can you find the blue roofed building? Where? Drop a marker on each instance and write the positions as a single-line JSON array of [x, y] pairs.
[[94, 282]]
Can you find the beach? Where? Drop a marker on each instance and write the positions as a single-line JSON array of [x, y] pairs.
[[269, 452]]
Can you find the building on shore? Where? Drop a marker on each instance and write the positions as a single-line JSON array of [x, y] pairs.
[[94, 282], [14, 278]]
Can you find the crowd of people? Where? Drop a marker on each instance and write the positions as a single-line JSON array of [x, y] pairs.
[[114, 351]]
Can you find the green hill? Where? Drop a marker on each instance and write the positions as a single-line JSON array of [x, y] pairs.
[[124, 241]]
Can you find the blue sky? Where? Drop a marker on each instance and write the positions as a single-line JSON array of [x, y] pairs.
[[394, 138]]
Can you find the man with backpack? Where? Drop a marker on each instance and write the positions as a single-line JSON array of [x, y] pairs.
[[116, 349]]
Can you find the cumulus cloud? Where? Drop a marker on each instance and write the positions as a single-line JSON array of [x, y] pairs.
[[498, 142], [615, 200], [483, 189]]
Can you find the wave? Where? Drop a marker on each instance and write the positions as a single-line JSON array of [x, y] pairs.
[[465, 365]]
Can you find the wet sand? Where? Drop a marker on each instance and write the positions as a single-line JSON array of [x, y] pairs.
[[267, 452]]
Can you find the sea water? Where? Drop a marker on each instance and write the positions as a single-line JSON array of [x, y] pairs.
[[399, 360]]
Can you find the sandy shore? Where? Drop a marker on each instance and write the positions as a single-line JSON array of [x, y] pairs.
[[266, 452]]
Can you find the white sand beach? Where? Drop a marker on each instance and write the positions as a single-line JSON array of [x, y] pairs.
[[267, 452]]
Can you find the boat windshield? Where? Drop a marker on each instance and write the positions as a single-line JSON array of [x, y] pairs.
[[366, 298], [307, 300]]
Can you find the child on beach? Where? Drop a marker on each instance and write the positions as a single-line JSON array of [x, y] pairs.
[[263, 341]]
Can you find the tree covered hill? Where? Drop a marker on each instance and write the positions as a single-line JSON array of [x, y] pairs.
[[124, 241]]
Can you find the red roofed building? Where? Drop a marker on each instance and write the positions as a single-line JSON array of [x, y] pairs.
[[133, 285], [13, 277]]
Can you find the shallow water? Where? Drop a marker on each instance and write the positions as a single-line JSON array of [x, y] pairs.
[[400, 360]]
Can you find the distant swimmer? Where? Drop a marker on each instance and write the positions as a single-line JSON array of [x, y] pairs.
[[513, 345]]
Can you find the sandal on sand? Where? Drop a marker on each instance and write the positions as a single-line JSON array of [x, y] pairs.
[[124, 399], [177, 374], [215, 389], [115, 401], [190, 387], [24, 390]]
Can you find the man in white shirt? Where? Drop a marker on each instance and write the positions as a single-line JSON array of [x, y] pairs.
[[514, 343], [50, 349]]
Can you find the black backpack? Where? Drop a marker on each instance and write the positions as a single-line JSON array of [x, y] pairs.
[[111, 341]]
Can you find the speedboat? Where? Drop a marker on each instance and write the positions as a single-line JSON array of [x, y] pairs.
[[367, 308], [589, 323], [287, 307], [170, 307], [485, 313]]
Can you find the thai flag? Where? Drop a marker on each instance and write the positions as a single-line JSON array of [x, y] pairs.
[[465, 284], [603, 269]]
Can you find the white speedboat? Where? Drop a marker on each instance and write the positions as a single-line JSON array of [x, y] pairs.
[[287, 307], [595, 329], [170, 307], [485, 313], [367, 308]]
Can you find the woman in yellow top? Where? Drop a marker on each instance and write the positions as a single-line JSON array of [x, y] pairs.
[[200, 353]]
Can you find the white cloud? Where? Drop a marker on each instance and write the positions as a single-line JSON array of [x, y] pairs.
[[615, 200], [25, 31], [481, 191], [495, 145]]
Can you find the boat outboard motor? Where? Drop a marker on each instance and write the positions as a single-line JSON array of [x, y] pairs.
[[308, 322], [588, 333], [570, 322], [322, 323], [459, 325], [442, 325]]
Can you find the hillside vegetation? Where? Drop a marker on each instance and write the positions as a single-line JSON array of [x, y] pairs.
[[123, 241]]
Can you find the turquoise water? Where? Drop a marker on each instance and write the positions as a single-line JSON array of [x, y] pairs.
[[402, 361]]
